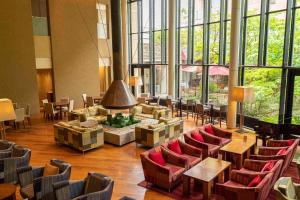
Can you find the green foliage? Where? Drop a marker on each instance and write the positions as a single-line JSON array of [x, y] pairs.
[[120, 121]]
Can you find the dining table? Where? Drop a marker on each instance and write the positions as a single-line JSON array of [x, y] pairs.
[[60, 105]]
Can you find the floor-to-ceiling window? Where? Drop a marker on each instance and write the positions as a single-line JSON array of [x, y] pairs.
[[269, 51], [148, 44]]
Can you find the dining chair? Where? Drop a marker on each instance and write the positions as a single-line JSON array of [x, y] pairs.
[[65, 108], [28, 113], [89, 101], [190, 103], [201, 112], [156, 103], [222, 114], [44, 101], [51, 113], [84, 100], [70, 108], [170, 105], [20, 117]]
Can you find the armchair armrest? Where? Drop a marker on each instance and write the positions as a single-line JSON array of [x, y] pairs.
[[5, 154], [190, 150], [208, 138], [254, 165], [222, 133], [268, 151], [172, 158], [76, 188], [277, 143], [25, 175], [262, 157], [238, 192]]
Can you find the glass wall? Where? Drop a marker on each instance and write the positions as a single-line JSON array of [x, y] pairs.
[[269, 49]]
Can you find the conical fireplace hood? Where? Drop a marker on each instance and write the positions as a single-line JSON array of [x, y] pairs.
[[118, 95]]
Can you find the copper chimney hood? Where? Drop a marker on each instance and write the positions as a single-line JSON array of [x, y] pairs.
[[118, 95]]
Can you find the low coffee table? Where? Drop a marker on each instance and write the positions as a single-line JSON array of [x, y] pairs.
[[89, 124], [206, 172], [239, 148], [7, 191]]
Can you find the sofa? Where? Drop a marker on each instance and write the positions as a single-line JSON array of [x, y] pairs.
[[94, 186], [237, 187], [166, 176], [81, 138], [96, 112], [155, 135], [149, 111]]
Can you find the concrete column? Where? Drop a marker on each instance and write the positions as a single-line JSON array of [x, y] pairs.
[[171, 48], [234, 61], [124, 40]]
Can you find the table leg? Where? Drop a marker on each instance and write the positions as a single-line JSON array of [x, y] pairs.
[[186, 185], [239, 161], [60, 111], [227, 174], [206, 190], [220, 177]]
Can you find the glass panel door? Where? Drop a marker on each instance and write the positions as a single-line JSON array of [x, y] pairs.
[[296, 101], [292, 111], [144, 75]]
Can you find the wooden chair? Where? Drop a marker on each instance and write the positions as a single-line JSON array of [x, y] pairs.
[[222, 113], [84, 100], [190, 104], [156, 103], [51, 113], [28, 113], [44, 101], [170, 105], [89, 101], [201, 112]]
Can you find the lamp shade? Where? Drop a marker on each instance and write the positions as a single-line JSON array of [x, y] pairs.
[[243, 94], [133, 80], [7, 111]]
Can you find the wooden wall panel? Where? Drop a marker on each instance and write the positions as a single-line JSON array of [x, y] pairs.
[[17, 59], [74, 48], [44, 80]]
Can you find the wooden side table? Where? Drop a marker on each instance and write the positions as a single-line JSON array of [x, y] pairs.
[[7, 191]]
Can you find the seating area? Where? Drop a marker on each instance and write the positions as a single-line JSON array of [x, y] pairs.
[[150, 100]]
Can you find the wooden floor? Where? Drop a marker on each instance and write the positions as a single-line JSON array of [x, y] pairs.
[[121, 163]]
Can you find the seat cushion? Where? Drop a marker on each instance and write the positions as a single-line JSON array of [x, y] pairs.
[[27, 191]]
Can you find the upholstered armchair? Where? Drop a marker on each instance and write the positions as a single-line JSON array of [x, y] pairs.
[[285, 189], [271, 153], [33, 185], [285, 143], [254, 166], [237, 187], [6, 145], [192, 154], [11, 160], [210, 146], [94, 186], [218, 133], [164, 176]]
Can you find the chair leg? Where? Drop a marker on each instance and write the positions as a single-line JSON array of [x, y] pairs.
[[24, 124]]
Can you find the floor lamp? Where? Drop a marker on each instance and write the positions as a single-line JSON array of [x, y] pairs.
[[7, 113], [242, 94]]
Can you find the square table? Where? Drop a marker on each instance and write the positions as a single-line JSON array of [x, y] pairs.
[[239, 147], [206, 172]]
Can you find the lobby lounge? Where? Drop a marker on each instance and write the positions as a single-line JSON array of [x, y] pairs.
[[149, 99]]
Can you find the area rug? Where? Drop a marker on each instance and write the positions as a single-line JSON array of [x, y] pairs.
[[177, 192]]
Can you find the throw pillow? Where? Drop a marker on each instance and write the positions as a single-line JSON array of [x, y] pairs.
[[268, 166], [158, 158], [290, 142], [197, 136], [50, 170], [175, 147], [209, 129], [255, 181], [95, 183], [281, 152]]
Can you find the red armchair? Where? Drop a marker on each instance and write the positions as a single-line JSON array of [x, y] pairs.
[[255, 166], [220, 134], [163, 176], [237, 187], [192, 154], [270, 153], [210, 146]]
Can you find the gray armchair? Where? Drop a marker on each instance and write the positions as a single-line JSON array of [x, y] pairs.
[[33, 185], [285, 189], [10, 161], [95, 186], [6, 145]]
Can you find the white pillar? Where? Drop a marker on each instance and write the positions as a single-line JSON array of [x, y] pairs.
[[171, 48], [124, 40], [234, 61]]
